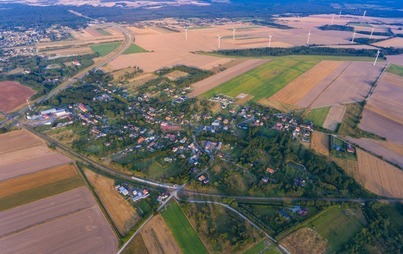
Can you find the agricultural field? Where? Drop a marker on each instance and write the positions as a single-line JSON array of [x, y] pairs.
[[265, 80], [264, 247], [396, 69], [175, 75], [317, 115], [23, 153], [320, 143], [182, 230], [396, 42], [224, 76], [13, 95], [123, 214], [104, 48], [334, 117], [133, 49], [382, 114], [136, 245], [158, 238], [349, 83], [379, 176], [305, 240], [337, 226]]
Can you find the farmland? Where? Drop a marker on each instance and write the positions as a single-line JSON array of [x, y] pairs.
[[382, 114], [182, 230], [317, 115], [158, 238], [334, 117], [134, 49], [305, 240], [320, 143], [105, 48], [265, 80], [13, 95], [396, 69], [378, 176], [120, 210]]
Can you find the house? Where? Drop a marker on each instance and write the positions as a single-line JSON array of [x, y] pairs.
[[123, 191], [350, 148], [265, 179], [270, 170]]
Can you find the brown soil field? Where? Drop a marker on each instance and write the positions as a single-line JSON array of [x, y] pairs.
[[396, 42], [305, 240], [136, 245], [390, 151], [320, 143], [175, 75], [300, 87], [94, 32], [383, 114], [68, 51], [13, 95], [350, 83], [334, 117], [86, 231], [38, 212], [16, 140], [224, 76], [396, 59], [378, 176], [30, 181], [158, 238], [120, 210]]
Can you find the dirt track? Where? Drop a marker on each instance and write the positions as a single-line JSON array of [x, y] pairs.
[[13, 95], [224, 76], [38, 212], [86, 231]]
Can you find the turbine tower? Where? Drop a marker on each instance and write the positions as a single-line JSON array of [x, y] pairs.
[[377, 55], [372, 32], [332, 19], [363, 16], [219, 41], [309, 36], [352, 39], [270, 40], [340, 14], [233, 33], [186, 32]]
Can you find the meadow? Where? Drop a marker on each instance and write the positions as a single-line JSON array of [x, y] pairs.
[[134, 49], [396, 69], [317, 116], [105, 48], [184, 234]]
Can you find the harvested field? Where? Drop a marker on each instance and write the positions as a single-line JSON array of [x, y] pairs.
[[37, 179], [86, 231], [350, 83], [158, 238], [175, 75], [383, 113], [378, 176], [334, 117], [301, 86], [396, 59], [120, 210], [224, 76], [396, 42], [136, 245], [16, 140], [13, 95], [350, 166], [305, 240], [38, 212], [390, 151], [320, 143], [71, 51]]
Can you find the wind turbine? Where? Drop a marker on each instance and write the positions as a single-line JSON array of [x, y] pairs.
[[363, 16], [377, 55], [270, 35], [219, 41], [340, 14], [309, 36], [332, 19], [233, 33], [372, 32], [186, 32], [352, 39]]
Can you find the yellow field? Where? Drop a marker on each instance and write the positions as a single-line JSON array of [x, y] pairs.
[[37, 179], [122, 213], [302, 85], [320, 143]]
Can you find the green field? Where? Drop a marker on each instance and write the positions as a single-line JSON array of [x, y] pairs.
[[396, 69], [103, 32], [134, 49], [105, 48], [184, 234], [317, 116], [338, 226], [265, 80], [40, 192]]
